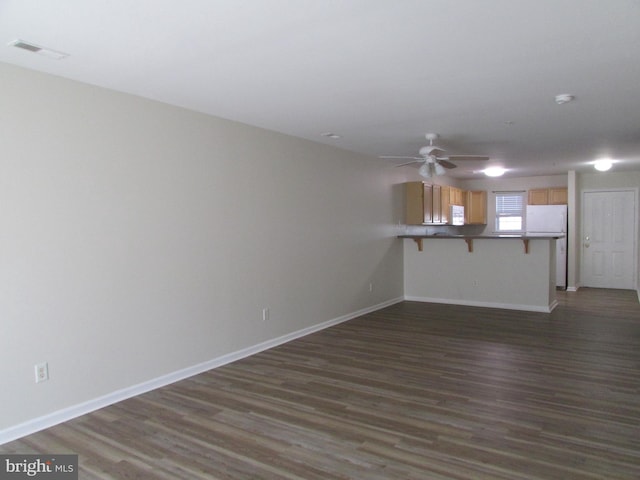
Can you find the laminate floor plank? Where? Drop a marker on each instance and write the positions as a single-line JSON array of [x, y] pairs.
[[412, 391]]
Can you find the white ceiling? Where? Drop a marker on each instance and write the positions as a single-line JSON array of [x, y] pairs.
[[381, 73]]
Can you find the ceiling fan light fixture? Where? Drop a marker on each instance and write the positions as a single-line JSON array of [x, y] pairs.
[[431, 163], [439, 169], [494, 171], [425, 170], [603, 164]]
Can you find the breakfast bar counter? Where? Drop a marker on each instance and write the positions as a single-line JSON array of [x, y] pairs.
[[469, 238], [499, 271]]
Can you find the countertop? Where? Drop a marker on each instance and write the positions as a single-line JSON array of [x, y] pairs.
[[470, 238], [526, 236]]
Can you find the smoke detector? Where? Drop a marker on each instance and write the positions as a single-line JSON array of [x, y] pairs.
[[331, 135], [564, 98]]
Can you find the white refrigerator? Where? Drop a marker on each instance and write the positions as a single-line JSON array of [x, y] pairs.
[[551, 219]]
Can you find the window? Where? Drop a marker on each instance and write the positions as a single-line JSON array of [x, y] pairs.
[[510, 211]]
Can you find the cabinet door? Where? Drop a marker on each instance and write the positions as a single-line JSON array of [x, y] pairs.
[[539, 196], [455, 196], [436, 207], [446, 201], [414, 208], [558, 196], [476, 208], [427, 203]]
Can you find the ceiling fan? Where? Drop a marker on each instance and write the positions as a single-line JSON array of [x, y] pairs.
[[432, 164]]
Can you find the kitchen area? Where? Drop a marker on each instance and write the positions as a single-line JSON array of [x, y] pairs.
[[454, 252]]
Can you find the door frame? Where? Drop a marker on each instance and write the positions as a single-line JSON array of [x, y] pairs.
[[636, 229]]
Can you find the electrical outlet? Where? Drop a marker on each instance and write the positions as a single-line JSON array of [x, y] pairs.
[[42, 372], [475, 283], [265, 314]]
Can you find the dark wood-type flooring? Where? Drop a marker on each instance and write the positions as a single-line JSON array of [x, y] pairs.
[[413, 391]]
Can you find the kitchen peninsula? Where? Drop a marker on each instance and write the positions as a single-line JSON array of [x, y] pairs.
[[501, 271]]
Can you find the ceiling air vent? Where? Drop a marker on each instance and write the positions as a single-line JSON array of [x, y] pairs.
[[47, 52]]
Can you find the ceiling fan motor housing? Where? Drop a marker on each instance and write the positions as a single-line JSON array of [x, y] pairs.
[[429, 150]]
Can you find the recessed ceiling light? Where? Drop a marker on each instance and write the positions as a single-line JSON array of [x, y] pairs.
[[564, 98], [494, 171], [332, 136], [32, 47], [603, 164]]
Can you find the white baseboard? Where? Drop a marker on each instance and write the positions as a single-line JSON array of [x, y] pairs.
[[573, 288], [49, 420], [473, 303]]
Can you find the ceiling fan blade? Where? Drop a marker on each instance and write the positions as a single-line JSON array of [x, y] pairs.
[[458, 158], [400, 156], [409, 163], [447, 164]]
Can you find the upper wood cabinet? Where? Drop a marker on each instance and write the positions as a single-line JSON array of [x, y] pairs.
[[426, 203], [415, 208], [436, 206], [548, 196], [539, 196], [445, 203], [456, 196], [475, 209], [558, 196]]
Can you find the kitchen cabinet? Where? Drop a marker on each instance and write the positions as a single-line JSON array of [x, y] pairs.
[[445, 197], [475, 208], [426, 204], [558, 196], [548, 196], [538, 196], [456, 196], [436, 206], [417, 211]]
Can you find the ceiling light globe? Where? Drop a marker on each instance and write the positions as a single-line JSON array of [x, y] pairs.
[[494, 171], [603, 165], [425, 171]]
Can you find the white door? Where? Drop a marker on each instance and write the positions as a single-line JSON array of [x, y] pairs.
[[609, 239]]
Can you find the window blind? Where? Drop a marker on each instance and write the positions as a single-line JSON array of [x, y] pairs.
[[509, 204], [510, 211]]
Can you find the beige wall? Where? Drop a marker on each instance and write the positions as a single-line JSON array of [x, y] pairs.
[[138, 239]]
